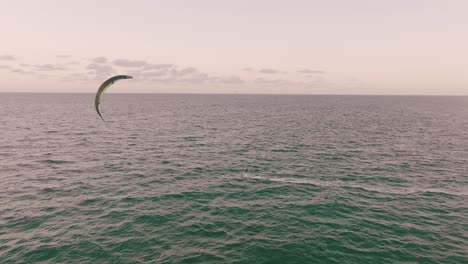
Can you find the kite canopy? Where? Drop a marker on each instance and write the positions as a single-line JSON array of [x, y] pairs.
[[104, 87]]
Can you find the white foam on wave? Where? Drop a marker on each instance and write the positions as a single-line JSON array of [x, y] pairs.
[[341, 184]]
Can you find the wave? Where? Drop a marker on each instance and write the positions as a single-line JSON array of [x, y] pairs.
[[341, 184]]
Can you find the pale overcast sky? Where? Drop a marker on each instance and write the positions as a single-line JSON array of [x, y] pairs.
[[236, 46]]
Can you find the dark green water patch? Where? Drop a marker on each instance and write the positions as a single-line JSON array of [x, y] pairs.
[[25, 223], [50, 161], [153, 220]]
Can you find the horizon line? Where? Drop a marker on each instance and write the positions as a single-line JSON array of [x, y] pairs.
[[286, 94]]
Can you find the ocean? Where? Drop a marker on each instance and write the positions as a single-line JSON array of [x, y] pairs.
[[174, 178]]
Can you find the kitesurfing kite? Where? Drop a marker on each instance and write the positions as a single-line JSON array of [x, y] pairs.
[[104, 87]]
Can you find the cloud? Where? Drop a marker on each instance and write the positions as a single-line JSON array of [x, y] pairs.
[[92, 72], [183, 72], [7, 57], [4, 67], [166, 73], [230, 80], [100, 60], [100, 70], [187, 75], [130, 63], [158, 66], [194, 79], [152, 74], [269, 71], [263, 81], [170, 74], [50, 67], [63, 56], [307, 71], [21, 71]]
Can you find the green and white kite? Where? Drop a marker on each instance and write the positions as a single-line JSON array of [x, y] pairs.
[[104, 87]]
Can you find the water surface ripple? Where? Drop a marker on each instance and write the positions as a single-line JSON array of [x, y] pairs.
[[331, 179]]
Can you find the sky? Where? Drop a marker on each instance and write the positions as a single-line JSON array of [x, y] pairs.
[[236, 46]]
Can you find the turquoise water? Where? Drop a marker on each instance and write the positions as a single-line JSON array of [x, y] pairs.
[[233, 179]]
